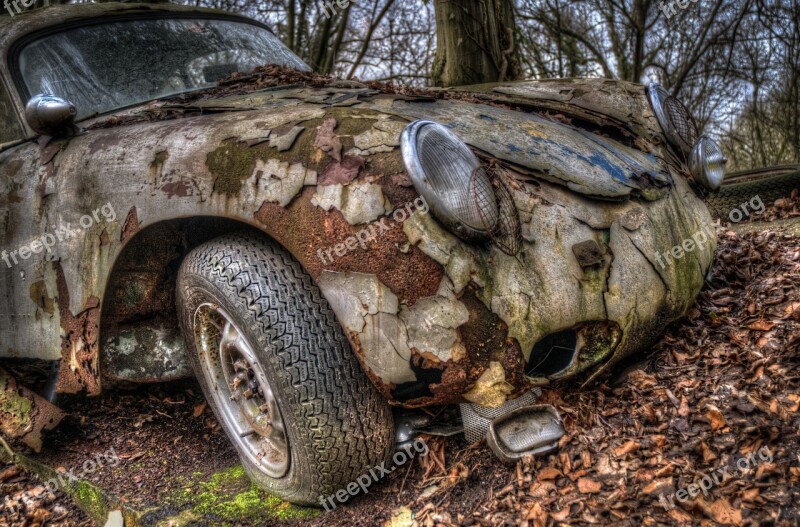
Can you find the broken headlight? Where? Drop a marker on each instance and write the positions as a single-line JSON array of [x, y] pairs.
[[451, 179], [707, 163], [676, 122]]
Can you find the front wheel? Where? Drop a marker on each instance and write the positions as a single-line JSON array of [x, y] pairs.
[[276, 369]]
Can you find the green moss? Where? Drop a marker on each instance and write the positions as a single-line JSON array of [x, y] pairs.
[[13, 407], [229, 496], [231, 164], [90, 499]]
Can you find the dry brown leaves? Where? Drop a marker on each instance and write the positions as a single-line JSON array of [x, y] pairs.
[[24, 502]]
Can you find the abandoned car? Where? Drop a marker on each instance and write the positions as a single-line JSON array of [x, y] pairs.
[[180, 195]]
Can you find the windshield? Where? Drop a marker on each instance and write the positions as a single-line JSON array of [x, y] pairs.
[[104, 67]]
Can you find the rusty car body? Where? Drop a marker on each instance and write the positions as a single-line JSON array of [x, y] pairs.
[[432, 318]]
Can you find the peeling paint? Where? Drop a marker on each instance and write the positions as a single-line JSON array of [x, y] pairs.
[[359, 202]]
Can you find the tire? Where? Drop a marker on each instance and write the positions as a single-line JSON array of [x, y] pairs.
[[335, 422], [768, 188]]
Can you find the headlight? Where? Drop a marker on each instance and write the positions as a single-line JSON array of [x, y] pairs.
[[707, 163], [675, 120], [451, 179]]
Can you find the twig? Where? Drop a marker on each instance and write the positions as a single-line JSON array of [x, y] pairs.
[[8, 449]]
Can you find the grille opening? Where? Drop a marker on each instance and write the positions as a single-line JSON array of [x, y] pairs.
[[553, 354], [681, 120]]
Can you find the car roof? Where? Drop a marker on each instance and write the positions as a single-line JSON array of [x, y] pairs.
[[29, 21]]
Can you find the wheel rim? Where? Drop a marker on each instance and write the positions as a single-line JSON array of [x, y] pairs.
[[241, 390]]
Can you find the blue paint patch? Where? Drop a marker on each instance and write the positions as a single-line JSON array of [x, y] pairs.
[[612, 168]]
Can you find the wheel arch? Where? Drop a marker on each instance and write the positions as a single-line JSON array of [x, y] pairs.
[[140, 340]]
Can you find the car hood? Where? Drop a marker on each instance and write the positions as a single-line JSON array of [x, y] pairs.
[[603, 102], [533, 143], [585, 162]]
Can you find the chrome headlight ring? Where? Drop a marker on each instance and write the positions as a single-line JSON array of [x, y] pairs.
[[451, 179], [707, 163], [676, 122]]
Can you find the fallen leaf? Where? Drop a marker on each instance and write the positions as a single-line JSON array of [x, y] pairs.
[[10, 472], [589, 486], [627, 448], [683, 409], [538, 515], [708, 454], [548, 473], [761, 325], [658, 486], [715, 417], [721, 511]]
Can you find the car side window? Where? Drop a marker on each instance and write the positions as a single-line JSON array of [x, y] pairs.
[[10, 129]]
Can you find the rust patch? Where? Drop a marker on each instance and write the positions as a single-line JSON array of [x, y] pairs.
[[306, 231], [79, 347], [485, 337], [131, 225], [49, 149], [23, 414], [393, 180], [484, 334], [455, 381]]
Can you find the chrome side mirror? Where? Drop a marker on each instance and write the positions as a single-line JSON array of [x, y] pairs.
[[50, 115]]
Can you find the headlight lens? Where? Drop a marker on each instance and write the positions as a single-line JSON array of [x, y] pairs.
[[451, 179], [707, 163], [675, 120]]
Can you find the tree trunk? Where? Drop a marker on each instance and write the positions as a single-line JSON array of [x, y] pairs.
[[476, 42]]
